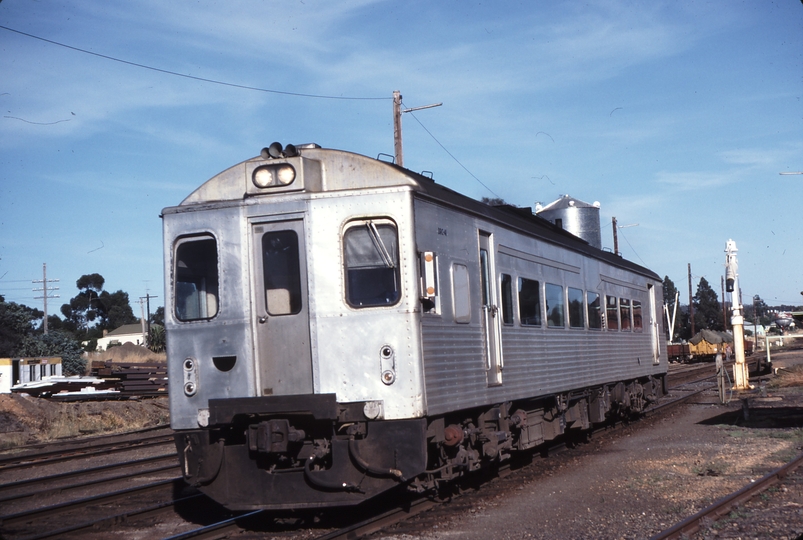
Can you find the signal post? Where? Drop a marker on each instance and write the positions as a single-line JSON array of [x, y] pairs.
[[741, 378]]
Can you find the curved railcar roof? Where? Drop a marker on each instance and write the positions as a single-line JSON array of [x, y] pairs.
[[339, 168]]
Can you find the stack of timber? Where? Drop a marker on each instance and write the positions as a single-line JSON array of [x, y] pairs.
[[134, 379]]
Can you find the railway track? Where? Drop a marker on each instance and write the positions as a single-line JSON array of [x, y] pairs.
[[109, 444], [44, 485], [724, 505]]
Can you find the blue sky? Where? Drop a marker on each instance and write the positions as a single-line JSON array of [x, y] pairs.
[[676, 116]]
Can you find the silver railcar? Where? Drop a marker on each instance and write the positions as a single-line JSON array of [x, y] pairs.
[[341, 326]]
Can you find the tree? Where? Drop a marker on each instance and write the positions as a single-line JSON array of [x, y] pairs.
[[759, 310], [707, 311], [93, 310], [17, 321], [158, 316], [56, 344], [115, 310], [82, 308], [157, 338], [495, 201]]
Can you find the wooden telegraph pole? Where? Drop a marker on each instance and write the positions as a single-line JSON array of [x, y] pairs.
[[397, 125], [44, 281], [691, 304]]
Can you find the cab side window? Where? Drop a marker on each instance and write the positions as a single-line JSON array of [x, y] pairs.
[[371, 259], [196, 278]]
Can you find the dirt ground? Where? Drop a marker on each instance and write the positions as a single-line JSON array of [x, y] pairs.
[[29, 420]]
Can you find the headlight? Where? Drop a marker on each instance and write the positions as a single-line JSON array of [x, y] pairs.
[[277, 175]]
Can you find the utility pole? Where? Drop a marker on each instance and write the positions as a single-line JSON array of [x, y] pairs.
[[616, 227], [147, 299], [141, 303], [44, 281], [397, 124], [691, 304], [724, 304], [740, 373], [397, 129]]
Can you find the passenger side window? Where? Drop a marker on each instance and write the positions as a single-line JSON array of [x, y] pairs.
[[461, 294], [576, 308], [554, 306], [529, 302], [196, 279], [507, 299], [638, 322], [611, 313], [593, 311], [624, 310], [371, 259]]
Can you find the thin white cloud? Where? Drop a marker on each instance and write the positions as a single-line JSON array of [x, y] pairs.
[[691, 181], [763, 157]]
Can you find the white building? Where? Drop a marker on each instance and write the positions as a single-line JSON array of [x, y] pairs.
[[25, 370], [128, 333]]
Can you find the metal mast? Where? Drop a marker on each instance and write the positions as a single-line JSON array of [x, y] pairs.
[[740, 373]]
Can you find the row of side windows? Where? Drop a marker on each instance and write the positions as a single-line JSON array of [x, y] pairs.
[[577, 309], [574, 308], [623, 314]]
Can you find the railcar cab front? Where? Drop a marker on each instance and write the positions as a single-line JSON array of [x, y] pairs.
[[294, 301]]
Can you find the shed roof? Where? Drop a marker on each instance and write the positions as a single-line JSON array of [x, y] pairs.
[[126, 329]]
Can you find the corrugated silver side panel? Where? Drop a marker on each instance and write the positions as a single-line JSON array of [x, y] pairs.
[[453, 367], [538, 361]]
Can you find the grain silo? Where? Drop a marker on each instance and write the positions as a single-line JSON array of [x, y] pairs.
[[575, 216]]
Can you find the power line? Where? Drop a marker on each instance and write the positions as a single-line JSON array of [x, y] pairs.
[[634, 251], [184, 75], [452, 156]]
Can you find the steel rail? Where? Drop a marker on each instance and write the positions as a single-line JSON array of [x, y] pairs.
[[88, 483], [88, 440], [71, 474], [377, 523], [148, 512], [721, 507], [216, 530], [38, 513], [57, 456]]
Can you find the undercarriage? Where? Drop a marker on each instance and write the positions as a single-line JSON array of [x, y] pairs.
[[294, 452]]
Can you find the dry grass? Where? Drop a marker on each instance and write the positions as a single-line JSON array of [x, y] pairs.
[[25, 419], [126, 353], [788, 377]]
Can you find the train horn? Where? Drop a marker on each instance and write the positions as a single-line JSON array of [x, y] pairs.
[[275, 150]]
